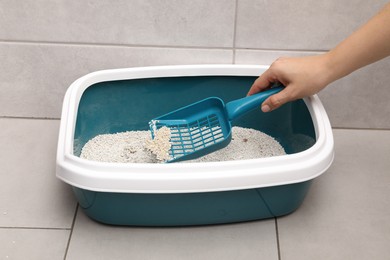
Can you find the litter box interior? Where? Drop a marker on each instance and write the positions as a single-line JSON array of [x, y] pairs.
[[128, 105]]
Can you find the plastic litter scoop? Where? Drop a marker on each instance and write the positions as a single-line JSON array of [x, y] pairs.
[[205, 126]]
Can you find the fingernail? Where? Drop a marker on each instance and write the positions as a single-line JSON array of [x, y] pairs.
[[265, 108]]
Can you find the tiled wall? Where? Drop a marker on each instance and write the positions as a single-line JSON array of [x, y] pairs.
[[47, 44]]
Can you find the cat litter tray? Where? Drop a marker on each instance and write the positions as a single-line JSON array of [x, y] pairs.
[[193, 193]]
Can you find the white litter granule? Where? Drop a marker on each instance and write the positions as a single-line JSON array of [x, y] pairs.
[[160, 144], [131, 147], [246, 143], [125, 147]]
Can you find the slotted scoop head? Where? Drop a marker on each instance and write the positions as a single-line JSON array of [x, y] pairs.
[[205, 126]]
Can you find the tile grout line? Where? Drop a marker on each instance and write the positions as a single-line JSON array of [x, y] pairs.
[[235, 32], [29, 118], [71, 231], [35, 228], [129, 45], [277, 238], [119, 45], [283, 50]]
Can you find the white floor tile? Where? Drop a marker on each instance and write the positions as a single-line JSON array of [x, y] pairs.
[[30, 194], [346, 213], [33, 244], [252, 240]]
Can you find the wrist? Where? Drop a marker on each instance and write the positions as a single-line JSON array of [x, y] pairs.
[[331, 67]]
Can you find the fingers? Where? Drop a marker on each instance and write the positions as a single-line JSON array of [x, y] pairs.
[[261, 83], [274, 101], [301, 76], [277, 100], [275, 73]]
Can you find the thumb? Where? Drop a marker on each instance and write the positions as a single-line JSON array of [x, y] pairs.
[[275, 101]]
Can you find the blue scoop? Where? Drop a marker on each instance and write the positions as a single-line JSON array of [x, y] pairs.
[[205, 126]]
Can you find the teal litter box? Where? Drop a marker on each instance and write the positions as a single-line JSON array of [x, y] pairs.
[[181, 194]]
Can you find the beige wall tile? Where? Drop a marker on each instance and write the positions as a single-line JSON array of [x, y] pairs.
[[35, 77], [144, 22], [300, 25]]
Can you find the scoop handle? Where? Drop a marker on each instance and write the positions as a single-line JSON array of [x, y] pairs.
[[239, 107]]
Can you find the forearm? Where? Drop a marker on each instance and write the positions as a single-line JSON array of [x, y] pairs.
[[305, 76], [368, 44]]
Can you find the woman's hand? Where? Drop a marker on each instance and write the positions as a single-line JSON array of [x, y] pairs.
[[308, 75], [301, 77]]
